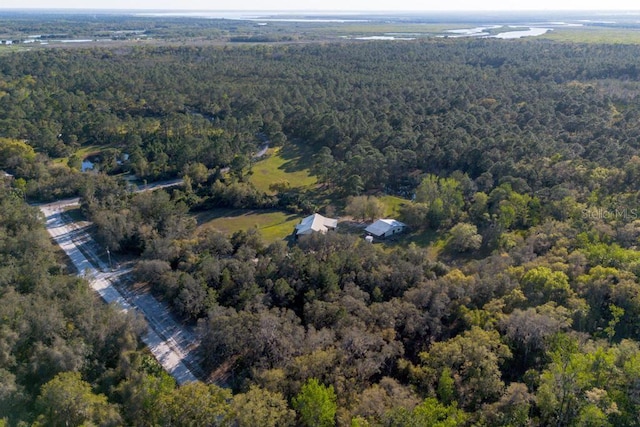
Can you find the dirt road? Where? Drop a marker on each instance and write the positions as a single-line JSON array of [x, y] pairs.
[[170, 342]]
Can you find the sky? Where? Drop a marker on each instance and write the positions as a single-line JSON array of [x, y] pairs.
[[330, 5]]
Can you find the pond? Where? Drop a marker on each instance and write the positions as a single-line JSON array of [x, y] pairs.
[[87, 165]]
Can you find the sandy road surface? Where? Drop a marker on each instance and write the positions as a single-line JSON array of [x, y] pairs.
[[170, 342]]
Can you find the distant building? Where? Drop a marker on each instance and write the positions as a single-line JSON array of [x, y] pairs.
[[5, 179], [315, 223], [383, 228]]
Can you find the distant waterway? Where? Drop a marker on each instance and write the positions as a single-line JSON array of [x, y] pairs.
[[384, 38], [472, 32], [531, 32], [533, 29]]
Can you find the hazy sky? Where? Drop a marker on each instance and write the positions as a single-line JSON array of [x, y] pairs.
[[355, 5]]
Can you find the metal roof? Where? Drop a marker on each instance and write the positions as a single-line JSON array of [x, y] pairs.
[[316, 222], [382, 226]]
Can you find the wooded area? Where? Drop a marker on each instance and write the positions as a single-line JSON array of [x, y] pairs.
[[521, 158]]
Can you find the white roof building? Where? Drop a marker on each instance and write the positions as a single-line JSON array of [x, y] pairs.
[[385, 228], [315, 223]]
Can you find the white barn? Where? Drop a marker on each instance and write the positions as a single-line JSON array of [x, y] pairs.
[[315, 223], [385, 227]]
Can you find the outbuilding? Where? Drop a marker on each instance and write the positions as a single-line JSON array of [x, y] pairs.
[[383, 228], [315, 223]]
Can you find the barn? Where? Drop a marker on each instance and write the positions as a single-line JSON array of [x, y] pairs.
[[383, 228], [315, 223]]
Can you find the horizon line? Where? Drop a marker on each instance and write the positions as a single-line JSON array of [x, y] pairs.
[[194, 10]]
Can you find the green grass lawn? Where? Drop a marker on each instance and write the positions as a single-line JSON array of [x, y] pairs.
[[289, 163], [392, 205], [83, 152], [272, 224]]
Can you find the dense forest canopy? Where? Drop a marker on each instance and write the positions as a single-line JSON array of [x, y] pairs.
[[520, 158], [487, 108]]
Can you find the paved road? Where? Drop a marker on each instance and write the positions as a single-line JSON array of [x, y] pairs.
[[169, 341]]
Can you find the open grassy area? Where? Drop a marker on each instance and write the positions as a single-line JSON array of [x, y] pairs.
[[12, 48], [392, 205], [594, 35], [289, 163], [272, 224], [362, 28], [83, 152]]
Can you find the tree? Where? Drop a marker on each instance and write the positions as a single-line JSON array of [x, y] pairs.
[[316, 404], [473, 359], [541, 284], [464, 237], [141, 397], [582, 384], [195, 404], [429, 413], [324, 165], [364, 207], [512, 409], [442, 198], [197, 172], [238, 164], [15, 153], [67, 400], [74, 162], [415, 215], [260, 407], [353, 185]]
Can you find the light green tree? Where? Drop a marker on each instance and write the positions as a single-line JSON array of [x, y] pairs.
[[195, 404], [429, 413], [67, 400], [574, 386], [541, 284], [443, 197], [316, 404]]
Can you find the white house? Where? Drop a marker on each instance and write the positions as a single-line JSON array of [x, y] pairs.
[[315, 223], [385, 227]]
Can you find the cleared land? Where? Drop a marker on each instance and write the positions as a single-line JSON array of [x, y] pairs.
[[289, 163], [272, 224], [392, 205], [595, 35]]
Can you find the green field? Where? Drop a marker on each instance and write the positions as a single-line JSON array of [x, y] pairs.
[[289, 163], [594, 35], [392, 205], [272, 224]]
